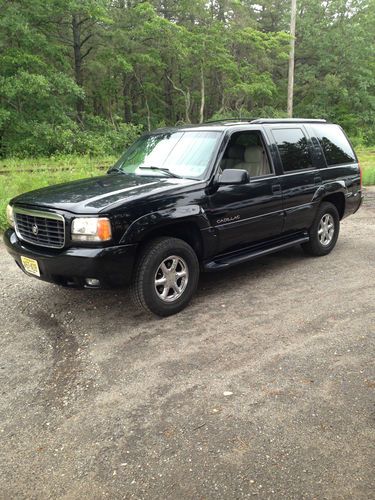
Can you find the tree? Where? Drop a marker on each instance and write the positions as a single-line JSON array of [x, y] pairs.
[[87, 75], [36, 90]]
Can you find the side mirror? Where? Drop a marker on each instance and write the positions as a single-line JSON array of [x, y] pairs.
[[233, 176]]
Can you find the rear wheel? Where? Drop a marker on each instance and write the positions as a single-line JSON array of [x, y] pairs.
[[324, 231], [166, 276]]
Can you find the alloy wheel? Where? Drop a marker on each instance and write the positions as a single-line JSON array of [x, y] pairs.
[[326, 229], [171, 278]]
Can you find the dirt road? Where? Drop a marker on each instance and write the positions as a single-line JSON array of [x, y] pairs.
[[263, 386]]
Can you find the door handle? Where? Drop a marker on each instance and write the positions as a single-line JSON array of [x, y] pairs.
[[276, 188]]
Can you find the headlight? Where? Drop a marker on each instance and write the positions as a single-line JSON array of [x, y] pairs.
[[91, 229], [10, 216]]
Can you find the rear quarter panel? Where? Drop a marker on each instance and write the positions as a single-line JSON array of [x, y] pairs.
[[345, 179]]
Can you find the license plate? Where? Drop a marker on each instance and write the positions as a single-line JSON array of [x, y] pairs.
[[30, 265]]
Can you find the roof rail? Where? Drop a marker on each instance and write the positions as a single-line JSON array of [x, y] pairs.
[[231, 120], [269, 120], [289, 120]]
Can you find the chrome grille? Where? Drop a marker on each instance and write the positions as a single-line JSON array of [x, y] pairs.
[[45, 229]]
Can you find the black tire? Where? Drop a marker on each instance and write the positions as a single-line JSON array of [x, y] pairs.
[[145, 292], [315, 246]]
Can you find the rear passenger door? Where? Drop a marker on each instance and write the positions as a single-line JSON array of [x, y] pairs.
[[300, 179]]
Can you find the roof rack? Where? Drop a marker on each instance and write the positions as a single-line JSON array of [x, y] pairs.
[[231, 120], [288, 120], [269, 120]]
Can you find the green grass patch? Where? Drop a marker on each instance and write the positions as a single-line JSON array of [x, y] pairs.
[[57, 162], [19, 176], [367, 161]]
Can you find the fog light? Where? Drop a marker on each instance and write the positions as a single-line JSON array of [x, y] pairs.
[[92, 282]]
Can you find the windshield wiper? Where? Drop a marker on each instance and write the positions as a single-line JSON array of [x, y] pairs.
[[161, 169], [115, 170]]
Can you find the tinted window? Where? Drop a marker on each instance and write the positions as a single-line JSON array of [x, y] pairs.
[[293, 148], [335, 145]]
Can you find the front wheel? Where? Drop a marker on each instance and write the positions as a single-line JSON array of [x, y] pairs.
[[324, 231], [166, 276]]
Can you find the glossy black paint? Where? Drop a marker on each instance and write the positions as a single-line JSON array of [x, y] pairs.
[[98, 194], [215, 219], [70, 267], [257, 250], [247, 213], [233, 176]]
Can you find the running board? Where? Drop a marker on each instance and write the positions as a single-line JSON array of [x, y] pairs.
[[234, 258]]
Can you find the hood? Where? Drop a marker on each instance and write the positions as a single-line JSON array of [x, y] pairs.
[[99, 194]]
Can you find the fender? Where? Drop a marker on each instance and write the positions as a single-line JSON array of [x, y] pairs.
[[331, 187], [154, 220]]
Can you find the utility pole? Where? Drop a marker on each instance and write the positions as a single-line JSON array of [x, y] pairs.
[[291, 57]]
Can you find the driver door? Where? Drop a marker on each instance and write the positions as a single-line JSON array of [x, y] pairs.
[[247, 213]]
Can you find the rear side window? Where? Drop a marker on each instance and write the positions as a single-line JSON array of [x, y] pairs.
[[335, 145], [293, 148]]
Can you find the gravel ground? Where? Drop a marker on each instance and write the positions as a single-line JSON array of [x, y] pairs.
[[263, 386]]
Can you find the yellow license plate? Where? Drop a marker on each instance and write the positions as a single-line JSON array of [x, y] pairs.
[[30, 265]]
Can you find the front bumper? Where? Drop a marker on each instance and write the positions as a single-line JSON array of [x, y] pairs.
[[112, 266]]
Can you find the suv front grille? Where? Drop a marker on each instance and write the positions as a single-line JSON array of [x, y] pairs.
[[45, 229]]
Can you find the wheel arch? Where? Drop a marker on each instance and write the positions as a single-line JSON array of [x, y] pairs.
[[338, 200], [185, 230], [175, 224]]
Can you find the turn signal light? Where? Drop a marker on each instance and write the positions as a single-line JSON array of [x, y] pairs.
[[104, 231]]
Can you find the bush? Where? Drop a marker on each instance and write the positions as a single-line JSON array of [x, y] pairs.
[[98, 137]]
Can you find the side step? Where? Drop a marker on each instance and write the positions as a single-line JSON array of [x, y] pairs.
[[225, 261]]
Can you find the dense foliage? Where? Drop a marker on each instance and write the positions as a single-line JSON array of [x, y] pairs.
[[86, 76]]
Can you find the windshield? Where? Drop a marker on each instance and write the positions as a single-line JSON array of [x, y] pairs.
[[177, 154]]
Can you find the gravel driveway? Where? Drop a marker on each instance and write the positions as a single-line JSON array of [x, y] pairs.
[[263, 386]]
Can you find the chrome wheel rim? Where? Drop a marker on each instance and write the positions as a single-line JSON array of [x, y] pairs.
[[171, 278], [326, 229]]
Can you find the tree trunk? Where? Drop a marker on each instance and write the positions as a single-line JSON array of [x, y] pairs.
[[76, 29], [126, 94], [221, 11], [148, 114], [187, 98], [168, 99], [291, 58], [203, 97]]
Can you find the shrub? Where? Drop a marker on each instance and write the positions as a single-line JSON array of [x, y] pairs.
[[98, 137]]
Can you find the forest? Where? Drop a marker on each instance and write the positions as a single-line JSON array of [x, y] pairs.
[[87, 76]]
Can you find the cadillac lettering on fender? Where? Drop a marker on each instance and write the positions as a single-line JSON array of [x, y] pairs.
[[190, 199]]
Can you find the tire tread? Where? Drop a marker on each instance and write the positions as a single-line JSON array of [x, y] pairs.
[[151, 249], [312, 247]]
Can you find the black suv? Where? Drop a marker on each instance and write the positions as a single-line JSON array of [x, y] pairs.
[[181, 200]]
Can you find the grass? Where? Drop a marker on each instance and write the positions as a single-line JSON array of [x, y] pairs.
[[367, 161], [19, 176]]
